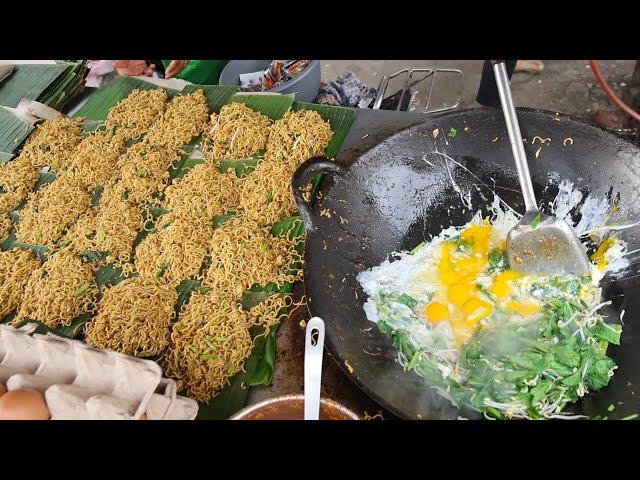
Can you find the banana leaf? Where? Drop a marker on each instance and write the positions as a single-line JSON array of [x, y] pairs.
[[96, 195], [156, 210], [340, 119], [94, 256], [30, 81], [99, 103], [5, 157], [67, 86], [255, 295], [108, 275], [103, 100], [233, 397], [70, 331], [56, 94], [220, 219], [13, 131], [185, 290], [187, 165], [259, 367], [273, 106], [75, 88], [266, 364], [243, 166], [178, 166], [89, 126], [44, 178], [217, 95], [40, 250], [290, 226]]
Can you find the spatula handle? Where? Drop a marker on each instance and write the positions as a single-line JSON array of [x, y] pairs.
[[515, 137]]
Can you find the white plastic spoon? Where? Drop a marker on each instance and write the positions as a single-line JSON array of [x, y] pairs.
[[313, 348]]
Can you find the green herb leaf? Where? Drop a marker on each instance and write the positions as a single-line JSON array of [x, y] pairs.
[[416, 248], [221, 219], [536, 221], [609, 332], [162, 270], [166, 225], [452, 133], [567, 356], [465, 245], [242, 167], [498, 260]]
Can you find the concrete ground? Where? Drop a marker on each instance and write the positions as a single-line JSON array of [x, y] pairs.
[[566, 86]]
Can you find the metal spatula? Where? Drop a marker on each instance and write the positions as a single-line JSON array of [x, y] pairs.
[[539, 243]]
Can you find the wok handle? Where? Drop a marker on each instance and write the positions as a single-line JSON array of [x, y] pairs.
[[515, 137], [305, 174]]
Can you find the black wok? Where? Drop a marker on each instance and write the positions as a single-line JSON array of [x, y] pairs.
[[398, 193]]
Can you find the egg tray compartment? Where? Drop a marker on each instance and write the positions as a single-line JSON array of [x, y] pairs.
[[80, 382]]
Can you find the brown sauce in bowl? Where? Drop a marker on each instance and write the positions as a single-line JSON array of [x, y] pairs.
[[292, 408]]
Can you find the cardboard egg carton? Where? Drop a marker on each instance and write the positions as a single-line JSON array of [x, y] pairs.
[[80, 382]]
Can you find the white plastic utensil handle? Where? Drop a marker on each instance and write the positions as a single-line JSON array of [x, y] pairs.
[[313, 348]]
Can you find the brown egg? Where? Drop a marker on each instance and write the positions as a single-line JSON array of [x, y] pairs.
[[3, 389], [23, 405]]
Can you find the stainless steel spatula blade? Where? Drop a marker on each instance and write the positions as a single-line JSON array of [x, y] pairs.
[[544, 244], [539, 243]]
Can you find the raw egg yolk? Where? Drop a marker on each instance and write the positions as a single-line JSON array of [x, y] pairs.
[[599, 255], [437, 312], [479, 235], [476, 310], [448, 276], [458, 270], [445, 269], [501, 286], [458, 293], [470, 267], [524, 309]]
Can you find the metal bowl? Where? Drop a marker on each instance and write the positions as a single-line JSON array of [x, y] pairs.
[[291, 407], [305, 85]]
